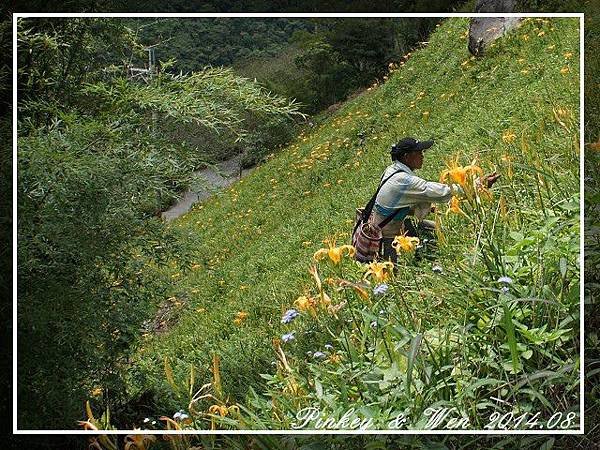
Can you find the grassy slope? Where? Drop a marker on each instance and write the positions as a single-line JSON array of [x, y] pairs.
[[251, 245]]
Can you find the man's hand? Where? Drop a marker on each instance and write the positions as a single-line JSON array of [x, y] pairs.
[[489, 180]]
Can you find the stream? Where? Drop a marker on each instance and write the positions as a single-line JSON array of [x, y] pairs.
[[206, 183]]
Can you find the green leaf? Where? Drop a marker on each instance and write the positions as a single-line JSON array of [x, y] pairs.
[[510, 335], [563, 266], [319, 389], [516, 235], [412, 355]]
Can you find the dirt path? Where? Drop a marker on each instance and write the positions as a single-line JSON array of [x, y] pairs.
[[209, 181]]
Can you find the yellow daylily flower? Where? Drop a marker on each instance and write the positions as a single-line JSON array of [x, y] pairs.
[[240, 317], [304, 303], [405, 243], [508, 136], [454, 206], [218, 409], [380, 271], [334, 358], [334, 253], [458, 174]]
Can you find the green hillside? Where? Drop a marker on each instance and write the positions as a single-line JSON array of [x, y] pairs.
[[452, 338]]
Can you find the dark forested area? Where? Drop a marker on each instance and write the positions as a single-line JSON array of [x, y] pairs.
[[283, 6], [317, 61], [198, 42]]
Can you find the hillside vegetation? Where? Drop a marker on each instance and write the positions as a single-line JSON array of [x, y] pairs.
[[454, 336], [199, 42], [98, 157]]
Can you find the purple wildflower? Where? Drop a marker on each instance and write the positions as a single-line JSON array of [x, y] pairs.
[[289, 315], [380, 289], [288, 337]]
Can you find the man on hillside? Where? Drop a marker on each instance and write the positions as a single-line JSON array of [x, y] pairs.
[[413, 195]]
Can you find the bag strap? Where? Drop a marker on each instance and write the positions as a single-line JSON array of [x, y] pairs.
[[389, 218], [369, 207]]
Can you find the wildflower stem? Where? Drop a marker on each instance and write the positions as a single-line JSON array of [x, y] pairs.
[[412, 272], [385, 344], [539, 192], [351, 308], [348, 349]]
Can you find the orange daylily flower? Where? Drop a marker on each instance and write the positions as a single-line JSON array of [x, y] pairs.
[[405, 243], [240, 317], [304, 303], [508, 136], [380, 271], [334, 253], [458, 174], [454, 206], [218, 409]]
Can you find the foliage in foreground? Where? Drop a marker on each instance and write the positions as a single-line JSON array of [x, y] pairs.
[[96, 163]]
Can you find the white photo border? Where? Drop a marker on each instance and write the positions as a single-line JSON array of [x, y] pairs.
[[580, 431]]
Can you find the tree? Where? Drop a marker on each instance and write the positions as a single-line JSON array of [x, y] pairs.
[[96, 161]]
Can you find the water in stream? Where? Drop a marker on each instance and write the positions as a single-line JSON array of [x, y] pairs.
[[210, 180]]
